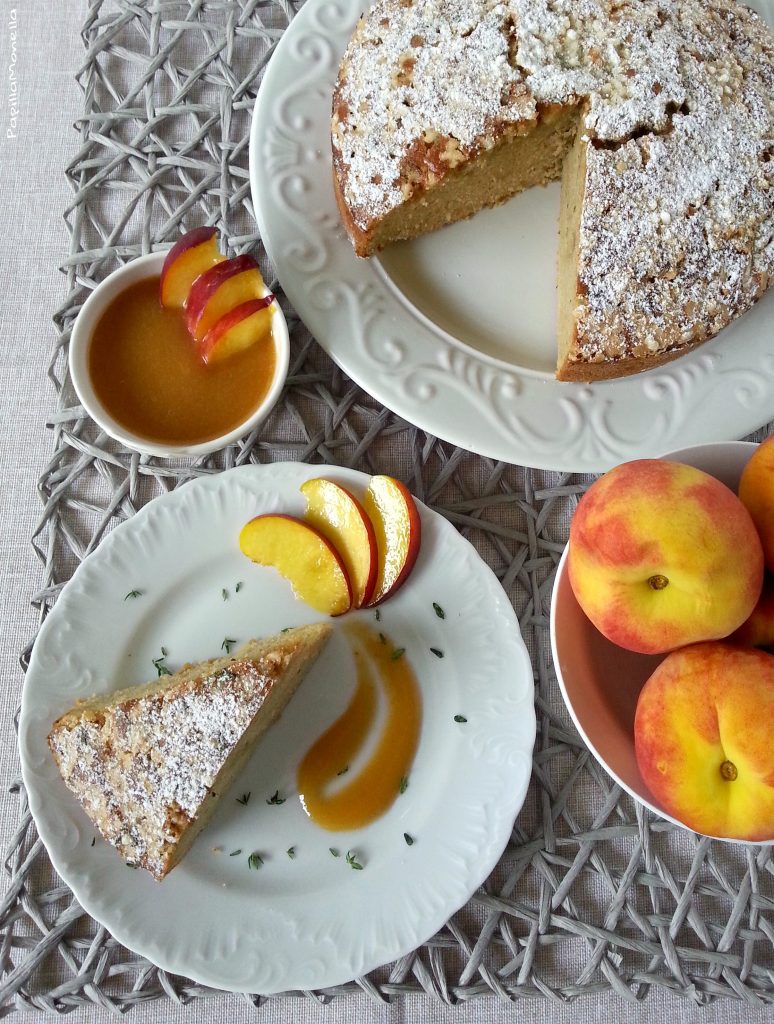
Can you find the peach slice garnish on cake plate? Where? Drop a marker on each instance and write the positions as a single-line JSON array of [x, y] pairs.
[[190, 256], [303, 556], [398, 530], [340, 517]]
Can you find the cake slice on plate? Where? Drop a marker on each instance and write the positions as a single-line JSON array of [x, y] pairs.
[[148, 763]]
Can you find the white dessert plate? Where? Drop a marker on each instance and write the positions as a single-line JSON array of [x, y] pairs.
[[309, 921], [456, 331]]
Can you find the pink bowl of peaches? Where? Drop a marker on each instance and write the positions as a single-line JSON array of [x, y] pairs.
[[662, 628], [180, 353]]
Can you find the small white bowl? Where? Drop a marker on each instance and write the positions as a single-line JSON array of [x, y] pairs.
[[601, 682], [138, 270]]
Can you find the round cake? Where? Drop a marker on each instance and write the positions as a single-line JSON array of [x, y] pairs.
[[658, 116]]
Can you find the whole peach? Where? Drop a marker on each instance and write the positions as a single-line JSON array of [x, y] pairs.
[[756, 492], [662, 555], [702, 735], [758, 630]]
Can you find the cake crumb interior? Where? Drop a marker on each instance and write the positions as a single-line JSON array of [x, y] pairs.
[[514, 164]]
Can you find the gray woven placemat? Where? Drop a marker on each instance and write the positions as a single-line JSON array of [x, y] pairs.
[[592, 893]]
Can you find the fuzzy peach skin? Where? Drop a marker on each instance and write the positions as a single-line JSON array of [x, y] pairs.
[[702, 735], [662, 555], [758, 630], [756, 492]]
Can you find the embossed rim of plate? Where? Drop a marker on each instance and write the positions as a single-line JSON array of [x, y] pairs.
[[720, 391], [467, 810]]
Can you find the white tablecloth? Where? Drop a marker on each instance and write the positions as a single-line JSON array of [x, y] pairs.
[[43, 57]]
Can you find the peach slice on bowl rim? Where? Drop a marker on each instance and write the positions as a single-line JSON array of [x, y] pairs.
[[219, 290], [241, 327], [398, 530], [303, 556], [191, 255], [340, 517]]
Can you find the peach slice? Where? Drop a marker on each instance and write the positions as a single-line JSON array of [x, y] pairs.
[[190, 256], [398, 530], [340, 517], [219, 290], [303, 556], [241, 327]]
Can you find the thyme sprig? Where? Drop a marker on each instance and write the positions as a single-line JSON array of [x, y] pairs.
[[353, 862], [158, 664]]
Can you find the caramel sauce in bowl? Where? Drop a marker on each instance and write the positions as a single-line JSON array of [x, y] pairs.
[[137, 373]]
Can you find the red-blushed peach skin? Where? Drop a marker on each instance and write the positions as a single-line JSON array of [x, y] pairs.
[[191, 255], [702, 734], [758, 630], [756, 492], [662, 555], [240, 328], [398, 530], [220, 289]]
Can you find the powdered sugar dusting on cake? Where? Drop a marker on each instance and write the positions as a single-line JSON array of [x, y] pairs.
[[143, 769], [677, 227], [438, 68], [467, 70]]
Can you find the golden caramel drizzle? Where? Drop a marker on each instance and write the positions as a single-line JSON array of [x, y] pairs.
[[373, 790]]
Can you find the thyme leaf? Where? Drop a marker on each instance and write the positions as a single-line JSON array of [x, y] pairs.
[[276, 798], [333, 851], [255, 861], [243, 799], [377, 615], [353, 862], [344, 770], [291, 851], [235, 853], [460, 718], [409, 839], [227, 644], [403, 784], [397, 653], [224, 594], [158, 664], [436, 652], [238, 587], [133, 594], [439, 611]]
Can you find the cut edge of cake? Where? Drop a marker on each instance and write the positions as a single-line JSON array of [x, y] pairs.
[[147, 763]]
